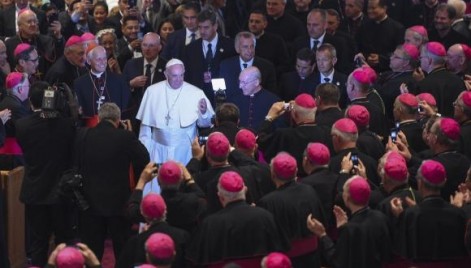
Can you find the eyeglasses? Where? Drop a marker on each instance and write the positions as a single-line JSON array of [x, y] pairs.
[[244, 83], [457, 104], [33, 60]]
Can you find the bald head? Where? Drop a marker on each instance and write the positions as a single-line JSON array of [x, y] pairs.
[[151, 46], [455, 59], [28, 24]]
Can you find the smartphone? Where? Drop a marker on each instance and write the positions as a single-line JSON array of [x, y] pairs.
[[354, 158], [287, 106], [394, 135], [202, 140]]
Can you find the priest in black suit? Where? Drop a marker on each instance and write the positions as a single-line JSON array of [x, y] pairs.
[[303, 80], [230, 68], [203, 57], [379, 36], [99, 85], [317, 35], [270, 46], [281, 22]]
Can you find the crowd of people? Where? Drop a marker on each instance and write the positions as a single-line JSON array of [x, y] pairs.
[[268, 133]]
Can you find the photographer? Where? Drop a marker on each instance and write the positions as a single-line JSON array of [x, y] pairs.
[[107, 153], [47, 149]]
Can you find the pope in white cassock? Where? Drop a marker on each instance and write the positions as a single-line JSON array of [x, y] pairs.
[[170, 112]]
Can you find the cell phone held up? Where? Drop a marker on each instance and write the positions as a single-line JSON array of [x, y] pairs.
[[394, 135], [202, 140], [354, 158]]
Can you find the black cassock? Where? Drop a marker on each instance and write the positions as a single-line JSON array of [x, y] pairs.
[[238, 231], [363, 242]]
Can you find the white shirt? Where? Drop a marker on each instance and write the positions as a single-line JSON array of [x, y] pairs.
[[152, 69]]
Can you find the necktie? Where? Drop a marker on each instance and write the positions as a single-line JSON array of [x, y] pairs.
[[209, 54], [193, 37], [315, 43], [245, 65], [148, 74], [327, 80]]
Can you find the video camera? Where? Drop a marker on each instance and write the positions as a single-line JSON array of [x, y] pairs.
[[58, 100]]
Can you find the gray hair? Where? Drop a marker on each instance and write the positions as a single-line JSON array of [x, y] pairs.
[[109, 111]]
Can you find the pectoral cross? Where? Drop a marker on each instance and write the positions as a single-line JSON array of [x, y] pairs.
[[99, 102], [167, 118]]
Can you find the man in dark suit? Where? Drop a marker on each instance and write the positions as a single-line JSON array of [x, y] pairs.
[[129, 46], [179, 39], [99, 85], [203, 57], [443, 31], [302, 80], [144, 71], [47, 154], [281, 22], [326, 58], [230, 68], [9, 18], [317, 35], [107, 155], [269, 46]]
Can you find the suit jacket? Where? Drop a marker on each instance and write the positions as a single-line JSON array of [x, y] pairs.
[[107, 153], [195, 63], [175, 45], [134, 68], [344, 63], [47, 154], [8, 21], [291, 85], [230, 70], [273, 48], [340, 80], [116, 90]]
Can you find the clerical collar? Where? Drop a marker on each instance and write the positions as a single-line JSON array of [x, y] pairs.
[[255, 93], [260, 35], [98, 75], [406, 122], [381, 20]]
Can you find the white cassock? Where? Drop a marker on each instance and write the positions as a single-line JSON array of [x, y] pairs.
[[169, 119]]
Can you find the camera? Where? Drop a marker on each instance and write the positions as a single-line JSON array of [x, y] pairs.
[[71, 186], [288, 106], [394, 135], [202, 140], [58, 101], [354, 158]]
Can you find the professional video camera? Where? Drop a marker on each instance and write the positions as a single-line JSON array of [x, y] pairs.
[[71, 185], [58, 100]]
